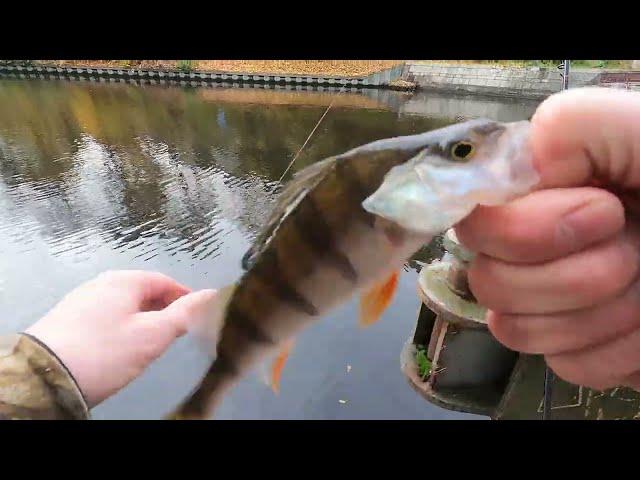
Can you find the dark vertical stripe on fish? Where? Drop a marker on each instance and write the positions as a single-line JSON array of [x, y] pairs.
[[268, 270], [224, 366], [250, 329], [313, 227], [356, 189]]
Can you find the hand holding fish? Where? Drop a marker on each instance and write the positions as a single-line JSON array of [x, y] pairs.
[[108, 330], [559, 268]]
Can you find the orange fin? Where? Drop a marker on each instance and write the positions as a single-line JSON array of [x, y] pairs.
[[278, 365], [375, 301]]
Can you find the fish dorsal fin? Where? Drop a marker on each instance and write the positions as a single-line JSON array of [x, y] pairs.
[[377, 299], [288, 199]]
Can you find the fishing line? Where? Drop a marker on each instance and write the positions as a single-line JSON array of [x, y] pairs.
[[309, 137]]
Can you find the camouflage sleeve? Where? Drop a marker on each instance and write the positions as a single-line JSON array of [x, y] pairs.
[[35, 384]]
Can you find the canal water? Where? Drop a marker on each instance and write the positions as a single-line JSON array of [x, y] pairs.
[[97, 176]]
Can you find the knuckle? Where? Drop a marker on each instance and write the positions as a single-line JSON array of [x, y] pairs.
[[507, 331]]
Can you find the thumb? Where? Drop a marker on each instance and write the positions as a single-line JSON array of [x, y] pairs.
[[181, 315], [588, 132]]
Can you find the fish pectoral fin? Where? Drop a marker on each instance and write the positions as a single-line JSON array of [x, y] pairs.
[[272, 375], [377, 299]]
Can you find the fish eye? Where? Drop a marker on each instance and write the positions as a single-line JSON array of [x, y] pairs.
[[462, 150]]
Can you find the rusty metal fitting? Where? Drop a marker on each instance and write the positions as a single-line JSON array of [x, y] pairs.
[[469, 368]]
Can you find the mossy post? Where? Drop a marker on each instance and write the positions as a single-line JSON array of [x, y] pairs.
[[469, 368], [472, 373]]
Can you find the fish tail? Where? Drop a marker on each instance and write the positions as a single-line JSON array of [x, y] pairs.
[[203, 401], [222, 375]]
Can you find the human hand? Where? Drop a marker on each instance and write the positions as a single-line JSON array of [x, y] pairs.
[[558, 269], [108, 330]]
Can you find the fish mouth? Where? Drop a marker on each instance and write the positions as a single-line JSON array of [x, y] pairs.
[[523, 176]]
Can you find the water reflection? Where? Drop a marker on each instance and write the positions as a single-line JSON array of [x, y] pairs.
[[99, 176], [134, 163]]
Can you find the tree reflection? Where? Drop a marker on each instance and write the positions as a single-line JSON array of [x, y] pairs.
[[132, 163]]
